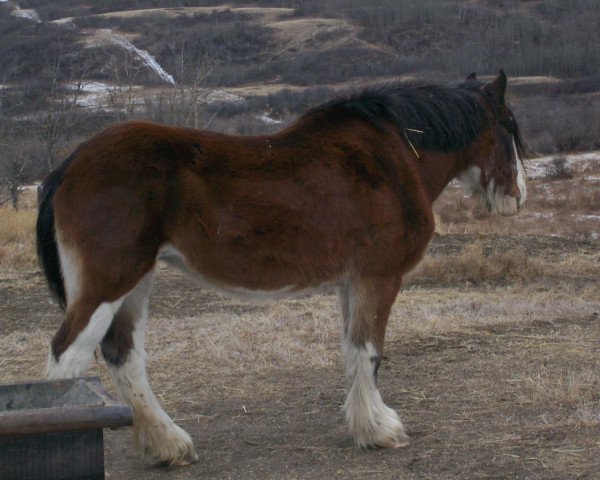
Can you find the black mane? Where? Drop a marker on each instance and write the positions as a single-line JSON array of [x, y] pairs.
[[428, 116]]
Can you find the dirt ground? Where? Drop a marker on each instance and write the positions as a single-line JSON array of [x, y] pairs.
[[504, 398]]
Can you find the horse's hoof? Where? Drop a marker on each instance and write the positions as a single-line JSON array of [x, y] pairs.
[[400, 441], [401, 444], [191, 457], [169, 446]]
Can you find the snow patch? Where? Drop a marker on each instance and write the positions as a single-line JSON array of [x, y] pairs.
[[95, 95], [28, 13], [268, 120], [103, 36], [538, 215], [95, 87], [226, 97], [537, 168], [144, 56], [92, 95]]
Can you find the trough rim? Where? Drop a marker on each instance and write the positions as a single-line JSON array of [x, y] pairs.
[[109, 414]]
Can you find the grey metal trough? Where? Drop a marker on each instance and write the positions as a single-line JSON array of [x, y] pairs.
[[53, 429]]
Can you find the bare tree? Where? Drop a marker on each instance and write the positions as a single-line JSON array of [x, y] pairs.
[[32, 136], [124, 95], [184, 104], [188, 97], [55, 125], [12, 162], [13, 173]]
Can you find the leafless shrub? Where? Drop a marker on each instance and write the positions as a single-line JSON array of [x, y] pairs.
[[558, 168]]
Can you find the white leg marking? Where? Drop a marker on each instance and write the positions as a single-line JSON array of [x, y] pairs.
[[75, 360], [155, 435], [371, 421], [70, 268]]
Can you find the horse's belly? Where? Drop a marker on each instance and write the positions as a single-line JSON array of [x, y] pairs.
[[240, 288]]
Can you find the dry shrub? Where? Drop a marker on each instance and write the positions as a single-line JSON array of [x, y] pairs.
[[17, 242], [473, 266], [453, 209]]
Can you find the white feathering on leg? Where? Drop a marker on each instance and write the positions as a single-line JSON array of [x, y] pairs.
[[370, 421]]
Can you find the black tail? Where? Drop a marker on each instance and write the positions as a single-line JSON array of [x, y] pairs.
[[47, 248]]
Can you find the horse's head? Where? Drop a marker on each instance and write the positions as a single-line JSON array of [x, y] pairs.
[[497, 176]]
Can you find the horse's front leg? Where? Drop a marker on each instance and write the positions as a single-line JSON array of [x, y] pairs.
[[366, 304]]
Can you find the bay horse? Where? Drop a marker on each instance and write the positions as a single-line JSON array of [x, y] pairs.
[[342, 197]]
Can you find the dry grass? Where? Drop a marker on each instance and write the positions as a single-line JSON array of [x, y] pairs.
[[269, 13], [290, 333], [577, 392], [431, 311], [299, 34], [474, 267], [31, 348], [301, 333], [564, 388], [17, 244]]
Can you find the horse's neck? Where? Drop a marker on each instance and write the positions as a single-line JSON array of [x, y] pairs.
[[437, 169]]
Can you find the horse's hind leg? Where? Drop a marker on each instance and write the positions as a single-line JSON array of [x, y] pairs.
[[74, 344], [86, 322], [155, 435], [366, 305]]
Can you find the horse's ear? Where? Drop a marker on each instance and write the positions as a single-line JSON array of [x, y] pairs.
[[497, 87], [472, 77]]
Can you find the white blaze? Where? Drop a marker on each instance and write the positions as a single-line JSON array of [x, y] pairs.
[[520, 177]]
